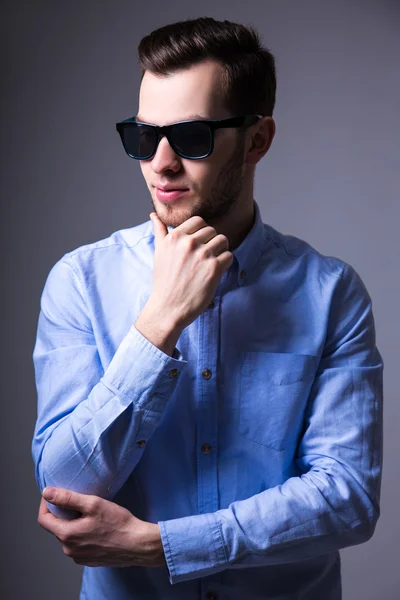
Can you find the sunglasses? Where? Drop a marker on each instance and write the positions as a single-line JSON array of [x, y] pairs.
[[192, 139]]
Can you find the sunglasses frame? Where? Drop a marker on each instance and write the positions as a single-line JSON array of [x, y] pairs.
[[162, 130]]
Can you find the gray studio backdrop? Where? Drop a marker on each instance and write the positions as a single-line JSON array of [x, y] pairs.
[[331, 177]]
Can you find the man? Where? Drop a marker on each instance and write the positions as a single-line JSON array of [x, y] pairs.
[[209, 389]]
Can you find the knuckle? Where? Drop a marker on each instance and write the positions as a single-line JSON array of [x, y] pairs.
[[68, 497], [189, 243], [93, 504], [68, 551], [66, 536], [63, 537], [173, 236]]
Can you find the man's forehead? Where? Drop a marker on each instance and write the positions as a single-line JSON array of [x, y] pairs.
[[186, 94]]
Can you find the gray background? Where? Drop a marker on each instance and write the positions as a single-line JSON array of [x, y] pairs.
[[331, 177]]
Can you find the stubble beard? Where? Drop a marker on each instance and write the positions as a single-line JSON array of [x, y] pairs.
[[222, 198]]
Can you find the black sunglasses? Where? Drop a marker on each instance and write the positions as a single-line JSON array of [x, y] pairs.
[[192, 139]]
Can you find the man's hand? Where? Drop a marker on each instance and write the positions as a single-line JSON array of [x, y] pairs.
[[106, 534], [189, 262]]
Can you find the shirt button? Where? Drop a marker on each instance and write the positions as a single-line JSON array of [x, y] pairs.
[[206, 374], [211, 596], [141, 443], [206, 449], [242, 274], [173, 373]]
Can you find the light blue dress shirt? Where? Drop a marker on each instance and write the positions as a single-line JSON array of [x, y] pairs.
[[256, 446]]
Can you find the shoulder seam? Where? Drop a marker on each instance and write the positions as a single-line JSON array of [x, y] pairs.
[[79, 250], [344, 266], [309, 251]]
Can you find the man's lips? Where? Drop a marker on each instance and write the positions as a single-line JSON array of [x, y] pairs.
[[170, 188], [171, 194]]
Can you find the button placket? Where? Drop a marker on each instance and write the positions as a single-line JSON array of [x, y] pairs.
[[207, 410]]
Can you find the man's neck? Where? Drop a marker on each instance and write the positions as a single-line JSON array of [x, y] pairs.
[[237, 225]]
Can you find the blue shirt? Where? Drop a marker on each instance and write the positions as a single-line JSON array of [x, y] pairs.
[[256, 446]]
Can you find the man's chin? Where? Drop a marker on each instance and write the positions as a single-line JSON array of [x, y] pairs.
[[173, 215], [175, 222]]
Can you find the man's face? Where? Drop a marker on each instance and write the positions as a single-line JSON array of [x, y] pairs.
[[215, 183]]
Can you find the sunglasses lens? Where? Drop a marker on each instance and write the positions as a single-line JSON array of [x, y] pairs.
[[139, 140], [191, 139]]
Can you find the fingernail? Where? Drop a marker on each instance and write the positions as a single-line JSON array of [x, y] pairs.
[[48, 493]]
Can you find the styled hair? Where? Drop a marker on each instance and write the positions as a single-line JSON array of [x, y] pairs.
[[248, 73]]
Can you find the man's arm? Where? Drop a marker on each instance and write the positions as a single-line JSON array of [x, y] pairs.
[[334, 503], [92, 424], [90, 420]]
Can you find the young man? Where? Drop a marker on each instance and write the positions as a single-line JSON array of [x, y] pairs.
[[209, 389]]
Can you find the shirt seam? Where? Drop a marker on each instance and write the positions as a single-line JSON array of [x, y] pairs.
[[72, 253], [222, 541], [312, 251], [168, 549]]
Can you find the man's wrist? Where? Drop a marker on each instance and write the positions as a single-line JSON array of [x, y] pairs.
[[160, 331], [155, 544]]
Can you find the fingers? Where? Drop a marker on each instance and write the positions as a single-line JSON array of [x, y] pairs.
[[225, 259], [59, 527], [46, 519], [68, 499], [213, 240], [191, 225], [43, 510], [160, 230]]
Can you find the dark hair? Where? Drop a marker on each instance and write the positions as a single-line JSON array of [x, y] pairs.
[[248, 74]]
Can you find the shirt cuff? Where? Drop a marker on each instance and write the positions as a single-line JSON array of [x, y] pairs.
[[142, 372], [193, 547]]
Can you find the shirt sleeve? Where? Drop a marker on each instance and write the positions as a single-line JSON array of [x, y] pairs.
[[334, 502], [90, 421]]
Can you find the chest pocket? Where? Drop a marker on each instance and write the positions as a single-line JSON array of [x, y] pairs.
[[274, 387]]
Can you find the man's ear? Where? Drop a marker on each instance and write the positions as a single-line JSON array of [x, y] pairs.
[[261, 140]]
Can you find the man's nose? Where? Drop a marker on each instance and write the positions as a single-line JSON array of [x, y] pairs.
[[165, 157]]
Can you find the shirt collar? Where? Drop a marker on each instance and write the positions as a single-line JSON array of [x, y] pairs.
[[249, 251]]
